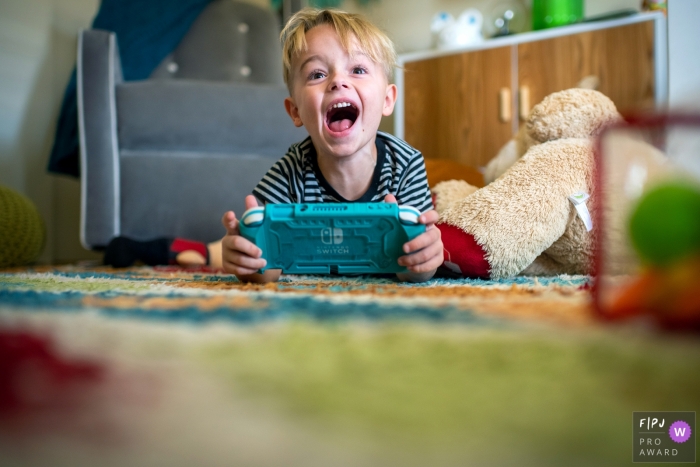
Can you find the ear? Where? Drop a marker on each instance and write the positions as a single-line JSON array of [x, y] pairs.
[[389, 99], [293, 111]]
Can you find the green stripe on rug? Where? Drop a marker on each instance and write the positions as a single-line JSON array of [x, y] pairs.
[[467, 398]]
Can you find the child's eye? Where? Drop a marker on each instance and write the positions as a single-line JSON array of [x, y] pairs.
[[359, 70], [316, 75]]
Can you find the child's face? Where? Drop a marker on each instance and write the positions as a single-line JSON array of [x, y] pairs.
[[339, 97]]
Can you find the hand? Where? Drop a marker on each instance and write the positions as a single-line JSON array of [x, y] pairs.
[[424, 254], [240, 256]]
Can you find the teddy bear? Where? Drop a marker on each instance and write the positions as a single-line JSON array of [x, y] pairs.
[[535, 216]]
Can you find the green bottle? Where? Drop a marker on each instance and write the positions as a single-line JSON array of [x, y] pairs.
[[552, 13]]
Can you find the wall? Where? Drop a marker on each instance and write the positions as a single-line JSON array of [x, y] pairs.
[[683, 40], [409, 26], [37, 54]]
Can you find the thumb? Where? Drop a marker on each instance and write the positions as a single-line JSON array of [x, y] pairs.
[[251, 202], [390, 199], [230, 223]]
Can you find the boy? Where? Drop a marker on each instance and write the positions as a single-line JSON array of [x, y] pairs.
[[337, 67]]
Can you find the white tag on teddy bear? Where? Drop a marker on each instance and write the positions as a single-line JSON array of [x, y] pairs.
[[579, 199]]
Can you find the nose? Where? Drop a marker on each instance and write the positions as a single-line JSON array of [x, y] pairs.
[[338, 82]]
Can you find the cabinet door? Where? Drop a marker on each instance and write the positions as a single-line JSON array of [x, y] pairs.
[[451, 105], [621, 58]]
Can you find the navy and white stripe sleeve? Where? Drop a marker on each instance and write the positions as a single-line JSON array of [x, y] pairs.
[[279, 183], [413, 189]]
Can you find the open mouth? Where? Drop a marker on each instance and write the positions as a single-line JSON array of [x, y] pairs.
[[341, 116]]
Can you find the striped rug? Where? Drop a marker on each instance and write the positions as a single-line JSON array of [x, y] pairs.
[[199, 369]]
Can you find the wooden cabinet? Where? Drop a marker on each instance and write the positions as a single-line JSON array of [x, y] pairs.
[[464, 105], [452, 103]]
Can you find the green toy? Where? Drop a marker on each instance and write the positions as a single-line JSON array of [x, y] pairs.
[[665, 225], [22, 232]]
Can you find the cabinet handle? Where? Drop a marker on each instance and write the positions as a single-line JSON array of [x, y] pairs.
[[524, 102], [589, 82], [504, 105]]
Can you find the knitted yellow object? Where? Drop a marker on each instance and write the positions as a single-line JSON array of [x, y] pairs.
[[22, 232]]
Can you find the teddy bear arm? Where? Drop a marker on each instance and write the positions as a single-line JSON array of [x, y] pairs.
[[489, 233], [447, 192], [462, 254]]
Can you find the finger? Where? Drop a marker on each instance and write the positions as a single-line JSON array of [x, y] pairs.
[[430, 217], [230, 223], [251, 202], [390, 199], [236, 243], [423, 240], [240, 260], [423, 256], [430, 265]]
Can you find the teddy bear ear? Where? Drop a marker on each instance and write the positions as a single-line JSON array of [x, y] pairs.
[[573, 113]]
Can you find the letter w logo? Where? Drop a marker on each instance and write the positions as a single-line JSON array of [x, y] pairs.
[[680, 432]]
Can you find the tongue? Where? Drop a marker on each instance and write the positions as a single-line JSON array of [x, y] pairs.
[[340, 125]]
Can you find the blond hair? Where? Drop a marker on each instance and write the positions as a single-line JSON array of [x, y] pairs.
[[372, 40]]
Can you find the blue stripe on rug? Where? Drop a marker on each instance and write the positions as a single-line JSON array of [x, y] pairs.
[[261, 309], [563, 280], [175, 296]]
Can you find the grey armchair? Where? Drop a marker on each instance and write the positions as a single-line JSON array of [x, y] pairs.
[[167, 156]]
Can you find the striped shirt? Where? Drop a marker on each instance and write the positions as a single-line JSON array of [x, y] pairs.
[[296, 178]]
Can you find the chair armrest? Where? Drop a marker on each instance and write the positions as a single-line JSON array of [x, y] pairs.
[[98, 72]]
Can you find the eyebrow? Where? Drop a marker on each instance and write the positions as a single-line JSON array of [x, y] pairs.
[[309, 59], [362, 53], [353, 56]]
